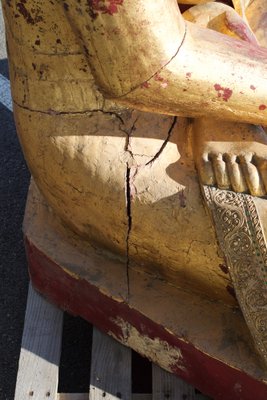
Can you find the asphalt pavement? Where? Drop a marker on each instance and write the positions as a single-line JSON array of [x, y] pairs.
[[2, 37], [14, 179], [13, 268]]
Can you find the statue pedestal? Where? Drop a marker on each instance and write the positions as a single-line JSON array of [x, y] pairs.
[[206, 343]]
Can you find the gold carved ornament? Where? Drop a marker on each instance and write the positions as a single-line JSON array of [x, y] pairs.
[[243, 243]]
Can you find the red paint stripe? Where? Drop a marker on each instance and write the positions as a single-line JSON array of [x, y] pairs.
[[79, 297]]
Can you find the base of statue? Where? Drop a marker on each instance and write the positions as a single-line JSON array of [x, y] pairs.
[[205, 342]]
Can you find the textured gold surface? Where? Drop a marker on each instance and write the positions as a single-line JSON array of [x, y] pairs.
[[125, 178]]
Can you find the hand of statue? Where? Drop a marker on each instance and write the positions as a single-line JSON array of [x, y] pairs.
[[144, 55]]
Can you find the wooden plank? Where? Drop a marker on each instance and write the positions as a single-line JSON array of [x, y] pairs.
[[37, 377], [141, 396], [110, 369], [84, 396], [72, 396], [169, 386]]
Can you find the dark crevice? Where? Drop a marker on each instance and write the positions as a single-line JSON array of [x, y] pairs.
[[164, 144], [53, 112], [75, 360], [129, 216], [131, 172], [128, 133], [128, 195]]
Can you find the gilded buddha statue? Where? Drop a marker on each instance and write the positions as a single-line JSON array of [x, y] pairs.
[[135, 120]]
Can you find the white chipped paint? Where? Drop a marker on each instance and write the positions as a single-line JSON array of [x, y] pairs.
[[157, 350], [5, 93]]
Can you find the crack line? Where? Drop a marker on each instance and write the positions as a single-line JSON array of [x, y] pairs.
[[157, 72], [128, 195], [164, 144], [53, 112], [129, 216]]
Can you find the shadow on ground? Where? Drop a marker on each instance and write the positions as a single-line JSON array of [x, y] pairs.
[[4, 68]]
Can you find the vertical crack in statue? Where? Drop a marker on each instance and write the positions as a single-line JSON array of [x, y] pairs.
[[135, 120]]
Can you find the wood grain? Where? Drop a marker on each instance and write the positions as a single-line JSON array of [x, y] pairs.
[[37, 377], [84, 396], [169, 386], [142, 396], [72, 396], [110, 369]]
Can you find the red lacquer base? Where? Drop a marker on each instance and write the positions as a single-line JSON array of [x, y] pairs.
[[145, 327]]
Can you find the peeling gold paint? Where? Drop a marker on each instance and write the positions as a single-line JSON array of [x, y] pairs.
[[157, 350]]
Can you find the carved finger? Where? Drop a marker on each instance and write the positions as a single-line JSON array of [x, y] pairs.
[[235, 174], [262, 167], [205, 171], [220, 171], [252, 176]]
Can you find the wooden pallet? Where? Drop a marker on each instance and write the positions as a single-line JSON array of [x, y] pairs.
[[111, 375]]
